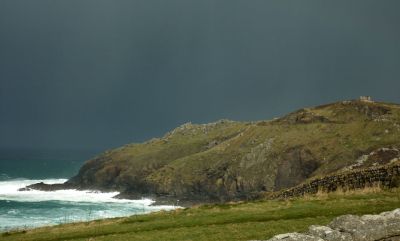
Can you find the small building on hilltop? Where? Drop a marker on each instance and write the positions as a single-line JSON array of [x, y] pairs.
[[366, 99]]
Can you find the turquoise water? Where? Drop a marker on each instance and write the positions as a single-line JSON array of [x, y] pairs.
[[28, 209]]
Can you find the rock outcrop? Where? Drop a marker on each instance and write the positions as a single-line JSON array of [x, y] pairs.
[[46, 187], [381, 227]]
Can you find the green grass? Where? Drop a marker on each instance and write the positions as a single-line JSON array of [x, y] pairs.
[[236, 221]]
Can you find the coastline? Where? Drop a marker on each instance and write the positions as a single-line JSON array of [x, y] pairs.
[[158, 200], [24, 208]]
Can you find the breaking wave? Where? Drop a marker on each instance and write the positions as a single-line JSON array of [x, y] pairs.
[[26, 209]]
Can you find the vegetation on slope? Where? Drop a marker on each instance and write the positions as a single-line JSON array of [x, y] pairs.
[[231, 221], [230, 160]]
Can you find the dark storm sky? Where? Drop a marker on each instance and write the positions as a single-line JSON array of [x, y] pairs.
[[97, 74]]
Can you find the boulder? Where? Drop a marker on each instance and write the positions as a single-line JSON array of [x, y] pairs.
[[381, 227], [369, 227], [328, 234]]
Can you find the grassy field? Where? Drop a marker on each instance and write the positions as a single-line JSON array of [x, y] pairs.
[[236, 221]]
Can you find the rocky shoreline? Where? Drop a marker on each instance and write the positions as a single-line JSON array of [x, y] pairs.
[[41, 186], [159, 200]]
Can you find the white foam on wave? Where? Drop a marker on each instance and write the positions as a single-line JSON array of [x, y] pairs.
[[72, 205], [9, 190]]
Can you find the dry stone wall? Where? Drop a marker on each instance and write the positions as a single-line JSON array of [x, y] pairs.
[[383, 176]]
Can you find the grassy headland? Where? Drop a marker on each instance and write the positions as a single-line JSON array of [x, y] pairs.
[[230, 160]]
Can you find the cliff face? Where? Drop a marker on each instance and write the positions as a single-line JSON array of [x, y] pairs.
[[235, 160]]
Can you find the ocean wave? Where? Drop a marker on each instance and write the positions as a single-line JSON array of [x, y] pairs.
[[9, 190], [28, 209]]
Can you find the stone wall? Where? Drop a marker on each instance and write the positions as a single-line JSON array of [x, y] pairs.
[[383, 176]]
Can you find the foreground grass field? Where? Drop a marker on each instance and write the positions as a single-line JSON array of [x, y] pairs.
[[238, 221]]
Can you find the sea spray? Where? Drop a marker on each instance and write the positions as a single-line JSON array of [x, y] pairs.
[[27, 209]]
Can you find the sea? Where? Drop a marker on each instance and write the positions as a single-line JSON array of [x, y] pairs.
[[20, 210]]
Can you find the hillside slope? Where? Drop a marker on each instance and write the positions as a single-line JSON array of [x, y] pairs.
[[230, 160]]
